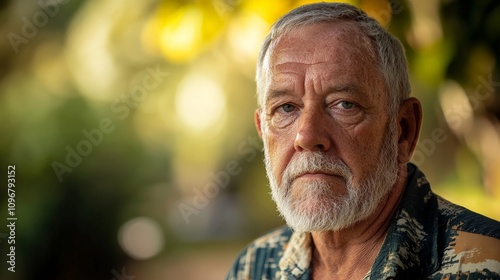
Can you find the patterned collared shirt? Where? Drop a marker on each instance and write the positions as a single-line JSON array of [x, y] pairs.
[[430, 238]]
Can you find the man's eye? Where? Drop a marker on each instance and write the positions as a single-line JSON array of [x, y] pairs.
[[287, 108], [347, 105]]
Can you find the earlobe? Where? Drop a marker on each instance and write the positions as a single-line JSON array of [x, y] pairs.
[[258, 123], [409, 121]]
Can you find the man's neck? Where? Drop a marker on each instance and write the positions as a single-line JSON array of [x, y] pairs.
[[349, 253]]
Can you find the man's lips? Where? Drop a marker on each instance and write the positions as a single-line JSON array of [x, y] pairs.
[[317, 175]]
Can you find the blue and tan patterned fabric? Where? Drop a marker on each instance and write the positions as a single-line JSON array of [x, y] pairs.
[[430, 238]]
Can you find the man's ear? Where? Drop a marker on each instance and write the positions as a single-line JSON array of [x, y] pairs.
[[410, 122], [257, 120]]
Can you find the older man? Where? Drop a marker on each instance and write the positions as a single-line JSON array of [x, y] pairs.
[[339, 129]]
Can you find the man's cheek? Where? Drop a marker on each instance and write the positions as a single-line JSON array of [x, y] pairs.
[[279, 167]]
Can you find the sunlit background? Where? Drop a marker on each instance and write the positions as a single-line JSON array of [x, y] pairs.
[[131, 127]]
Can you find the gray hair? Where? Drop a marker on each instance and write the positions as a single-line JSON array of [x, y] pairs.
[[388, 50]]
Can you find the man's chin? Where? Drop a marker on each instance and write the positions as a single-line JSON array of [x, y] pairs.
[[307, 219], [319, 226], [332, 187], [314, 227], [319, 214]]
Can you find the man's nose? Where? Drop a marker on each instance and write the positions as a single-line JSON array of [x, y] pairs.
[[313, 131]]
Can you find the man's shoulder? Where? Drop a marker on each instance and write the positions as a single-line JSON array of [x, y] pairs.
[[457, 218], [471, 242]]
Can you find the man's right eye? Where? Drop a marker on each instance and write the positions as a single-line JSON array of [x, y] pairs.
[[283, 115], [287, 108]]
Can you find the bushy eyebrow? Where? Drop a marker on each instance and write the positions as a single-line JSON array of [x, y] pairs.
[[277, 93], [348, 88], [345, 88]]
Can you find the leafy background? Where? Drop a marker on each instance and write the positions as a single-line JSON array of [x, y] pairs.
[[173, 83]]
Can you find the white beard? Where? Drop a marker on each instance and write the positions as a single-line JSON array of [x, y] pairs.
[[318, 207]]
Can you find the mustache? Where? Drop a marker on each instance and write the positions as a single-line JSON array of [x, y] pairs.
[[316, 162]]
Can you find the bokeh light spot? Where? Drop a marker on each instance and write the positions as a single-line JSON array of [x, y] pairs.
[[181, 35], [141, 238], [200, 102]]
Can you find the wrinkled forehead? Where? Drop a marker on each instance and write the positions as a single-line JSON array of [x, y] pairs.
[[323, 37], [317, 42]]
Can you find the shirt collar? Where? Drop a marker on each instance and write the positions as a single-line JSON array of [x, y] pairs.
[[410, 248], [297, 256]]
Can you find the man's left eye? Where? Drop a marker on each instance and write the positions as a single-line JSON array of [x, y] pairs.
[[287, 107], [347, 105]]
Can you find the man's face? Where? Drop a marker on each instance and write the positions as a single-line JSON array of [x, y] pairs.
[[330, 156]]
